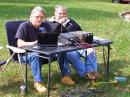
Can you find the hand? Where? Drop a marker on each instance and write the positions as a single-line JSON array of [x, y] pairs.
[[62, 20], [34, 43]]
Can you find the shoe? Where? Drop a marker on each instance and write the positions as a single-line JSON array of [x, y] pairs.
[[67, 80], [96, 75], [40, 87], [92, 75], [89, 76]]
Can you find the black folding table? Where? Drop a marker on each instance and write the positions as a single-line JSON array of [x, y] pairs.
[[51, 51]]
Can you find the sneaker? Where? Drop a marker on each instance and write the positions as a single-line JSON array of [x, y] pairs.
[[96, 75], [40, 87], [67, 80]]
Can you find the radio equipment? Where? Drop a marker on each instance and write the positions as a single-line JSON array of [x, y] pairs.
[[76, 37], [84, 36]]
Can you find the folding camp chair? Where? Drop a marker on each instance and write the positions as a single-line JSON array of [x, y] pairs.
[[11, 29]]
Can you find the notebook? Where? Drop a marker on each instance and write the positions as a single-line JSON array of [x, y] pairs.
[[48, 40]]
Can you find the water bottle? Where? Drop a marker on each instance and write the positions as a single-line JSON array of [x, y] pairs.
[[22, 90], [120, 78]]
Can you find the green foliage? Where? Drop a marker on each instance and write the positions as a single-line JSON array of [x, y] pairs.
[[98, 16]]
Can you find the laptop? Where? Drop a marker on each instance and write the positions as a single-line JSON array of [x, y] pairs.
[[48, 40]]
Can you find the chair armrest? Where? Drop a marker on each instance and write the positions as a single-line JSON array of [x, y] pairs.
[[15, 49]]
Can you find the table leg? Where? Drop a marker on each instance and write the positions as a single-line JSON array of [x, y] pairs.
[[49, 67], [107, 65], [108, 60], [26, 71]]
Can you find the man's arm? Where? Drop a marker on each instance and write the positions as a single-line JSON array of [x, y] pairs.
[[21, 43], [72, 26]]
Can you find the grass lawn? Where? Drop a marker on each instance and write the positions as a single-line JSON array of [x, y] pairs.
[[97, 16]]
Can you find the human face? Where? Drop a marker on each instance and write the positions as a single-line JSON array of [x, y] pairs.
[[60, 13], [37, 18]]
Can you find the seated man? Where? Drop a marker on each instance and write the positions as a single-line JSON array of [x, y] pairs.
[[27, 35], [61, 22]]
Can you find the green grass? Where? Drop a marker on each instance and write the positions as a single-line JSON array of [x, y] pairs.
[[97, 16]]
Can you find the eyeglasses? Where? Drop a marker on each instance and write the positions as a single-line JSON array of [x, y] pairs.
[[62, 13], [41, 17]]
